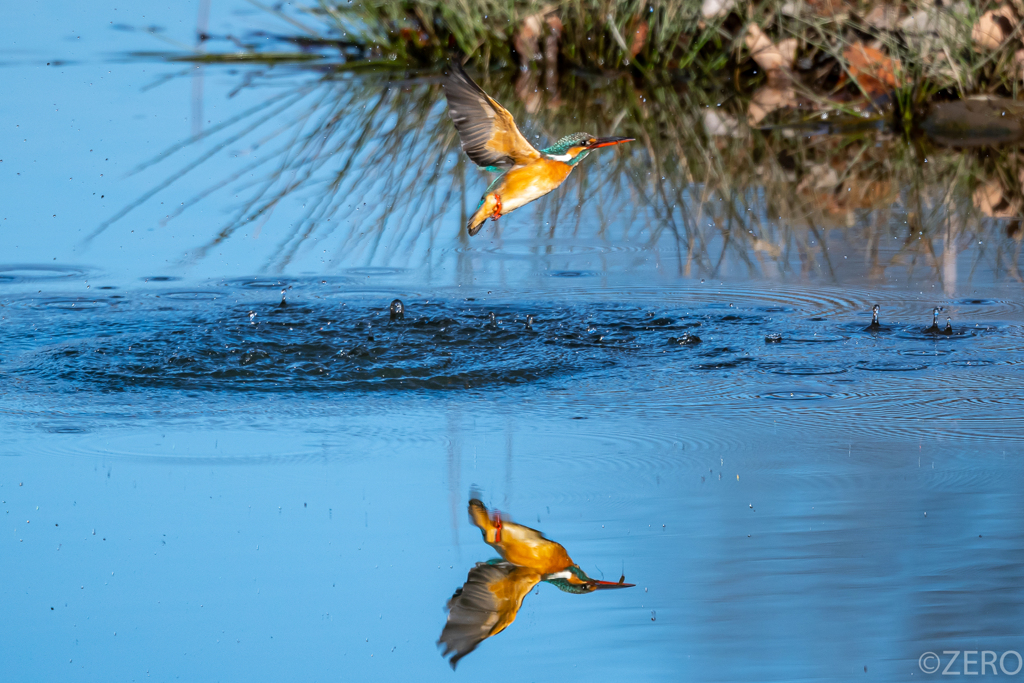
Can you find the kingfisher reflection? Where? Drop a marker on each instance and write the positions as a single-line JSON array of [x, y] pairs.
[[494, 591]]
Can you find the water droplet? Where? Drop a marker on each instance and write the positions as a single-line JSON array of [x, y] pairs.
[[875, 324], [686, 340], [654, 615], [283, 302], [949, 327], [252, 317], [529, 322], [397, 310]]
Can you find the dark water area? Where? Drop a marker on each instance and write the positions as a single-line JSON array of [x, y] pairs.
[[226, 454]]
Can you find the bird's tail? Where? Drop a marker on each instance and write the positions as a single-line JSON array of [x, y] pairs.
[[485, 211], [490, 527]]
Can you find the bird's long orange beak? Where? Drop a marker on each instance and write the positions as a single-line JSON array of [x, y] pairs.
[[601, 585], [607, 142]]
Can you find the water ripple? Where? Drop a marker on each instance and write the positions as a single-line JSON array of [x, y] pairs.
[[689, 354], [32, 273]]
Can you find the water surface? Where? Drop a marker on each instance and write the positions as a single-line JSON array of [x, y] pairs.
[[666, 367]]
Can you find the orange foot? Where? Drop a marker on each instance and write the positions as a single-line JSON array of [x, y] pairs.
[[496, 214], [497, 516]]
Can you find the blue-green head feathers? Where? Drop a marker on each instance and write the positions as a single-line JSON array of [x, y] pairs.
[[562, 147], [564, 585]]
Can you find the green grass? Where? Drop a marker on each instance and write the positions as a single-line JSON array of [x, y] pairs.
[[601, 35], [661, 42]]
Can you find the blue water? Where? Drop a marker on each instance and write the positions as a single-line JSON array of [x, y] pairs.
[[198, 483]]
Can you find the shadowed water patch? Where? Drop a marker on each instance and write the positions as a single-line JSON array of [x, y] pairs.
[[193, 296], [799, 368], [890, 366], [376, 271], [69, 303], [921, 334], [924, 353], [305, 347], [257, 283], [796, 395], [28, 273], [203, 340], [573, 273]]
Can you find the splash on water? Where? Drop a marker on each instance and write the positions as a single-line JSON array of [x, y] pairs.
[[396, 311]]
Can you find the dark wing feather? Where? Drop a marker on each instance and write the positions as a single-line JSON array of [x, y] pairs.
[[488, 132], [475, 611]]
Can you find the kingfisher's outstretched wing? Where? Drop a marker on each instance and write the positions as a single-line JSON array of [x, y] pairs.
[[484, 606], [488, 132]]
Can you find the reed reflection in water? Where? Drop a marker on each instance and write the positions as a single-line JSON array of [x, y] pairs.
[[366, 168]]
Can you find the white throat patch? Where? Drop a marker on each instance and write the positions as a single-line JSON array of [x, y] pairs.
[[565, 574]]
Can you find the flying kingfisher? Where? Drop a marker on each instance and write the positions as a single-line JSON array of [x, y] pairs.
[[494, 591], [492, 141]]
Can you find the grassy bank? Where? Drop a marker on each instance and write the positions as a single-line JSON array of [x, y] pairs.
[[901, 53]]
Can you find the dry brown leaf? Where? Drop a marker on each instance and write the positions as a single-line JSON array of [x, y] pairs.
[[420, 38], [820, 177], [527, 91], [870, 68], [792, 8], [721, 124], [836, 10], [527, 39], [991, 200], [787, 48], [716, 8], [551, 40], [768, 55], [994, 27], [767, 99], [867, 194], [883, 17], [639, 38]]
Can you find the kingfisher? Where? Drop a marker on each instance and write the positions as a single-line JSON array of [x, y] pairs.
[[494, 591], [525, 547], [492, 141]]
